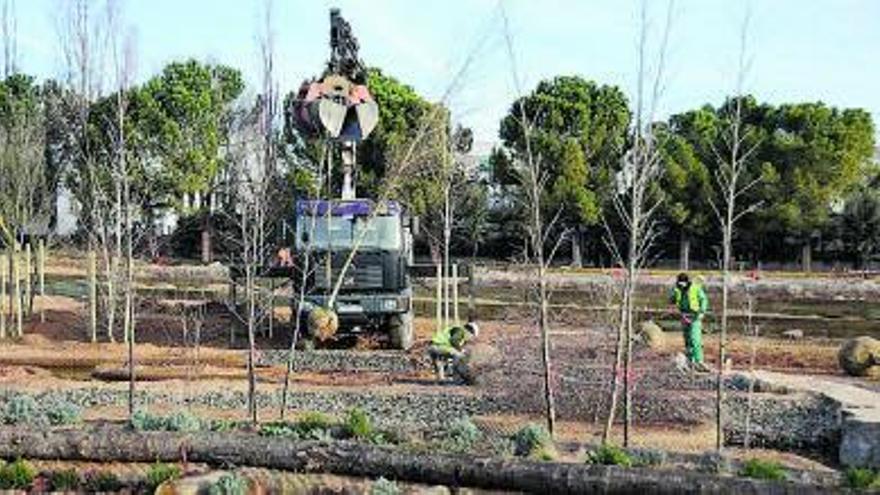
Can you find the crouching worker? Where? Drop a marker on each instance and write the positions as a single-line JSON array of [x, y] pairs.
[[691, 301], [447, 347]]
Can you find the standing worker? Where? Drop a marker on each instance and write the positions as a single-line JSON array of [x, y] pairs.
[[447, 344], [691, 301]]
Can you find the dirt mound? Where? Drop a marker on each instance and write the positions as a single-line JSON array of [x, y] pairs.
[[860, 356]]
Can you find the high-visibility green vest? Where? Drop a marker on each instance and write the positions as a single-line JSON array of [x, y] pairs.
[[695, 302], [454, 337]]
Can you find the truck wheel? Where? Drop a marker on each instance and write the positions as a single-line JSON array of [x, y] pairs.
[[401, 330]]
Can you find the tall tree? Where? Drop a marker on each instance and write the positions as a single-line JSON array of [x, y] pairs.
[[579, 131], [184, 113]]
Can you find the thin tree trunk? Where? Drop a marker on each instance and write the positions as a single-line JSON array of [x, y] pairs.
[[3, 281], [684, 256], [615, 372], [577, 258], [93, 294], [41, 274], [807, 256], [16, 292], [28, 280]]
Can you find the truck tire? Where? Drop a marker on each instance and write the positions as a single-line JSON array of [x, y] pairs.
[[400, 327]]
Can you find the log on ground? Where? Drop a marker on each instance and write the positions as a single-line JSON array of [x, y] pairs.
[[115, 443]]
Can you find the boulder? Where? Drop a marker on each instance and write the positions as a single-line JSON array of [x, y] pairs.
[[323, 323], [652, 335], [860, 356]]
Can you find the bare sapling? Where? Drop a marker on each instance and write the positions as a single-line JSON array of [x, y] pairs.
[[635, 208], [732, 182]]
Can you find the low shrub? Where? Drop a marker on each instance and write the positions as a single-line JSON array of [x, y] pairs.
[[101, 481], [530, 440], [358, 425], [278, 429], [383, 486], [62, 412], [461, 435], [22, 409], [17, 475], [648, 457], [144, 421], [763, 470], [862, 478], [160, 473], [609, 455], [65, 480], [183, 421], [179, 421], [315, 421], [229, 484]]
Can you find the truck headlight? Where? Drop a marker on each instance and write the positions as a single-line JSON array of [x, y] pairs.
[[389, 304]]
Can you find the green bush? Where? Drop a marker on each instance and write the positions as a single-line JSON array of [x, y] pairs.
[[17, 475], [101, 481], [64, 481], [279, 429], [609, 455], [160, 473], [531, 440], [62, 412], [358, 425], [21, 409], [144, 421], [862, 478], [229, 484], [183, 421], [763, 470], [461, 435], [314, 421], [383, 486]]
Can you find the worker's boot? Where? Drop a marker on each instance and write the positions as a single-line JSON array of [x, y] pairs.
[[701, 367]]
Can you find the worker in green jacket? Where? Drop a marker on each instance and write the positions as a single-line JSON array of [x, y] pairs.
[[448, 344], [692, 303]]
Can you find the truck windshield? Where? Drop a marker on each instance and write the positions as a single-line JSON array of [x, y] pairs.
[[380, 232]]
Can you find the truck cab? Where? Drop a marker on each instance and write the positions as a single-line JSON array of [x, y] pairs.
[[375, 293]]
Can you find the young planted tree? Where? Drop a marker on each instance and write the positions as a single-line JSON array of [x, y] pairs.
[[635, 207], [733, 181]]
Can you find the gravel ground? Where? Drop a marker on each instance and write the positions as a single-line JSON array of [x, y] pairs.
[[345, 361]]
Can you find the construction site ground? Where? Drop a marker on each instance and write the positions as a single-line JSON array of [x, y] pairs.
[[673, 410]]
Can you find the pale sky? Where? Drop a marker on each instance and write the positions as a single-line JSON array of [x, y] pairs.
[[800, 50]]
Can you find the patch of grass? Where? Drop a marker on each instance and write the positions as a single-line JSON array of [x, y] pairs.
[[160, 473], [229, 484], [17, 475], [101, 481], [530, 440], [384, 486], [65, 480], [609, 455], [184, 421], [358, 425], [862, 478], [763, 470]]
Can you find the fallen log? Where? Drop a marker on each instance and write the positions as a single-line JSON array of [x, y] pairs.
[[114, 443]]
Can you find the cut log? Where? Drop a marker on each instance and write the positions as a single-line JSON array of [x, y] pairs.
[[114, 443]]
